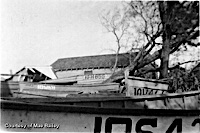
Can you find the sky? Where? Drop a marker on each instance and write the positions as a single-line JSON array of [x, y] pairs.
[[38, 32]]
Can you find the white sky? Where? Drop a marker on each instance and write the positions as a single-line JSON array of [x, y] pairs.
[[38, 32]]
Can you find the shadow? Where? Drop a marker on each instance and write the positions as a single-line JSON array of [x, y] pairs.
[[5, 89]]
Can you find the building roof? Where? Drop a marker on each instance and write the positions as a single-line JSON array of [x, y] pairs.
[[46, 70], [90, 62]]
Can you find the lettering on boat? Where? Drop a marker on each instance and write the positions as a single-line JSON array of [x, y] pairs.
[[46, 87], [175, 125], [144, 87], [144, 91], [94, 76]]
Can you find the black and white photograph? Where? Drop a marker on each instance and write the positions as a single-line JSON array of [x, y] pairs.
[[97, 66]]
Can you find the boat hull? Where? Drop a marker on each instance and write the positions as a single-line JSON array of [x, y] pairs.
[[52, 90], [39, 117]]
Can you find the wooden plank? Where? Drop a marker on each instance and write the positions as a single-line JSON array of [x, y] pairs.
[[16, 75], [24, 94]]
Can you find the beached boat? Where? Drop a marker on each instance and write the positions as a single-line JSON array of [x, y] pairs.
[[102, 114], [136, 86], [39, 89], [106, 112]]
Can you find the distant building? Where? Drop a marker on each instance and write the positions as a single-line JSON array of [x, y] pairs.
[[90, 69]]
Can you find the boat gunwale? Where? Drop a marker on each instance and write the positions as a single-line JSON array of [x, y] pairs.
[[13, 105], [148, 80], [75, 85]]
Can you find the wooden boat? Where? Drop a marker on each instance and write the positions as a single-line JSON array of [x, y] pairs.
[[39, 89], [109, 112], [135, 85], [100, 114]]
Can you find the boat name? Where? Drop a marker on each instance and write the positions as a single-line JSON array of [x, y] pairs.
[[175, 125], [95, 76], [144, 91], [46, 87]]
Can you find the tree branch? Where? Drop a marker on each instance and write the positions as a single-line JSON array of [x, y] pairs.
[[177, 44], [170, 68]]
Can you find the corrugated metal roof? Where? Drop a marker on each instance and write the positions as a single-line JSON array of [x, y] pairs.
[[97, 61]]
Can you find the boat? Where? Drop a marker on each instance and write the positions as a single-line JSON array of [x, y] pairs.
[[100, 114], [106, 112], [30, 89], [137, 86]]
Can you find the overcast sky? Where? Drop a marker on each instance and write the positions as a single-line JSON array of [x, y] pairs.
[[38, 32]]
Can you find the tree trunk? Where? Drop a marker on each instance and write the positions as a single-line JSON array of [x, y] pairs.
[[165, 15], [116, 60], [164, 59]]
